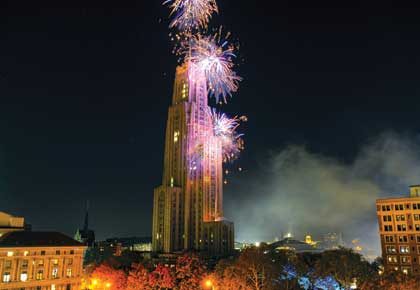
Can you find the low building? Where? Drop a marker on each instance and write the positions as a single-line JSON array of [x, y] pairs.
[[290, 244], [9, 223], [399, 229], [332, 241], [40, 261], [132, 244]]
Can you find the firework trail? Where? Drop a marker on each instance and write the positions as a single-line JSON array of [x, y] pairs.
[[224, 128], [190, 15], [214, 56]]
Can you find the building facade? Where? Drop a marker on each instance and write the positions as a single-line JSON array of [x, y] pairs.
[[188, 206], [9, 223], [40, 261], [399, 228]]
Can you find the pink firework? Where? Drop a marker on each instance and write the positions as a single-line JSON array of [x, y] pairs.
[[216, 61], [191, 15], [224, 128]]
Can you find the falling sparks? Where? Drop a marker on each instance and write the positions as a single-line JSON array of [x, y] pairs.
[[189, 15], [214, 57], [224, 128]]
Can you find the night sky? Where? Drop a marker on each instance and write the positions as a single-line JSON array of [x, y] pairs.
[[85, 88]]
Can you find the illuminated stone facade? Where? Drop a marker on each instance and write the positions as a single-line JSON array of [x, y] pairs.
[[9, 223], [399, 228], [40, 261], [188, 206]]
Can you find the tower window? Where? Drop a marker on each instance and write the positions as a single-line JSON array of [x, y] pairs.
[[176, 136]]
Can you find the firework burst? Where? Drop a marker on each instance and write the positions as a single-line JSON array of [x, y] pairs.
[[189, 15], [224, 128], [214, 56]]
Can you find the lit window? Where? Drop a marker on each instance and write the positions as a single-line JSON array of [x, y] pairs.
[[23, 276], [10, 254], [6, 277], [172, 182], [40, 275], [392, 259], [404, 249], [52, 286], [26, 253], [176, 136], [68, 273], [55, 273], [391, 249], [184, 91], [55, 261]]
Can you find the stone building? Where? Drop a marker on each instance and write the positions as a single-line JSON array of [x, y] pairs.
[[40, 261], [399, 229]]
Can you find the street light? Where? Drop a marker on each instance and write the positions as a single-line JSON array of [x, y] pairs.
[[209, 284]]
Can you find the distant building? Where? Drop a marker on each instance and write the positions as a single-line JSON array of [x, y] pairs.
[[332, 241], [9, 223], [239, 246], [85, 235], [40, 261], [133, 244], [399, 228], [291, 244]]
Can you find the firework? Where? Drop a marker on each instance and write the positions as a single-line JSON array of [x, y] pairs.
[[214, 57], [189, 15], [224, 128]]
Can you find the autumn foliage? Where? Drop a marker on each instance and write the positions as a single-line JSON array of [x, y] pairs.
[[256, 269]]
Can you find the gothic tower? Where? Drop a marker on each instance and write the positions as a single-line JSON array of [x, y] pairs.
[[188, 206]]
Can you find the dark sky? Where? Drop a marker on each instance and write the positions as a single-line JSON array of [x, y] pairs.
[[85, 87]]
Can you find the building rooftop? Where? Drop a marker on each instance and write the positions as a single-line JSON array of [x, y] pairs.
[[36, 239], [294, 245], [9, 221]]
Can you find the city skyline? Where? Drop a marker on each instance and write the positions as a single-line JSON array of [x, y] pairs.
[[85, 90]]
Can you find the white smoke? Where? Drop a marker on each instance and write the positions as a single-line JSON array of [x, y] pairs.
[[317, 194]]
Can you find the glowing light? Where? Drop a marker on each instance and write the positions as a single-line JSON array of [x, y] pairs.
[[257, 244], [214, 57], [95, 282], [209, 283], [25, 253], [108, 285], [191, 15], [225, 129], [176, 136], [10, 254]]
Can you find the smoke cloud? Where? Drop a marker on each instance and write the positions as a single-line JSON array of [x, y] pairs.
[[303, 192]]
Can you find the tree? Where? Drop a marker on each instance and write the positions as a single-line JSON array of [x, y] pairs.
[[255, 269], [190, 272], [107, 277], [391, 281], [138, 278], [344, 265], [161, 278]]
